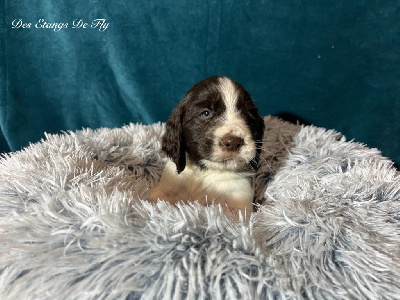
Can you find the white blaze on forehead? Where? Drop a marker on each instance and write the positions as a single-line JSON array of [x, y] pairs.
[[229, 94], [232, 123]]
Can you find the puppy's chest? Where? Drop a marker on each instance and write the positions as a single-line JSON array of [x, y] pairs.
[[205, 186], [216, 183]]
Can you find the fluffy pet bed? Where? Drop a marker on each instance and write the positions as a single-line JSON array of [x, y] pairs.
[[75, 223]]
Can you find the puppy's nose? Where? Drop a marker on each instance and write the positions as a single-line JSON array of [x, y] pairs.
[[231, 143]]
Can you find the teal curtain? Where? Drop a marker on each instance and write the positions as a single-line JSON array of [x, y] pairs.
[[334, 64]]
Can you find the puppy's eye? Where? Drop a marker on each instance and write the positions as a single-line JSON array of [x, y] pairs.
[[206, 114]]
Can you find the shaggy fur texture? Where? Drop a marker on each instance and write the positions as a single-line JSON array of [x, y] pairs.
[[75, 223]]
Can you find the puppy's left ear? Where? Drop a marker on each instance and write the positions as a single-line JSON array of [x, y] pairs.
[[172, 140], [258, 133]]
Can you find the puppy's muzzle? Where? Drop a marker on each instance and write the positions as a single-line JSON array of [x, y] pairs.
[[231, 143]]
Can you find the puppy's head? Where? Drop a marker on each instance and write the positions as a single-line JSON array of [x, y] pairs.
[[217, 126]]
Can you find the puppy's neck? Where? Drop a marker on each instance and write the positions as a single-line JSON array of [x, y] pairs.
[[207, 166]]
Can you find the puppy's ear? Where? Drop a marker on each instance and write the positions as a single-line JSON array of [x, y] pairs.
[[172, 140]]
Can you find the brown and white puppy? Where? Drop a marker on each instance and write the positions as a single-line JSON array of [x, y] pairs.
[[213, 140]]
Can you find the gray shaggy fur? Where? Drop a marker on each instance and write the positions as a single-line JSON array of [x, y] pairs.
[[75, 223]]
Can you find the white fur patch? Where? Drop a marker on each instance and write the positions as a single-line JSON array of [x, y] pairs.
[[229, 94], [230, 189]]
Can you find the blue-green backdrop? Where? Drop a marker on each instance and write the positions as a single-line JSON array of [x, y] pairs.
[[335, 64]]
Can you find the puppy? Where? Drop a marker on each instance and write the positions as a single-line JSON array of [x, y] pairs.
[[212, 140]]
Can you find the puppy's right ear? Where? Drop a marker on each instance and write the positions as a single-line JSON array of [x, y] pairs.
[[172, 140]]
